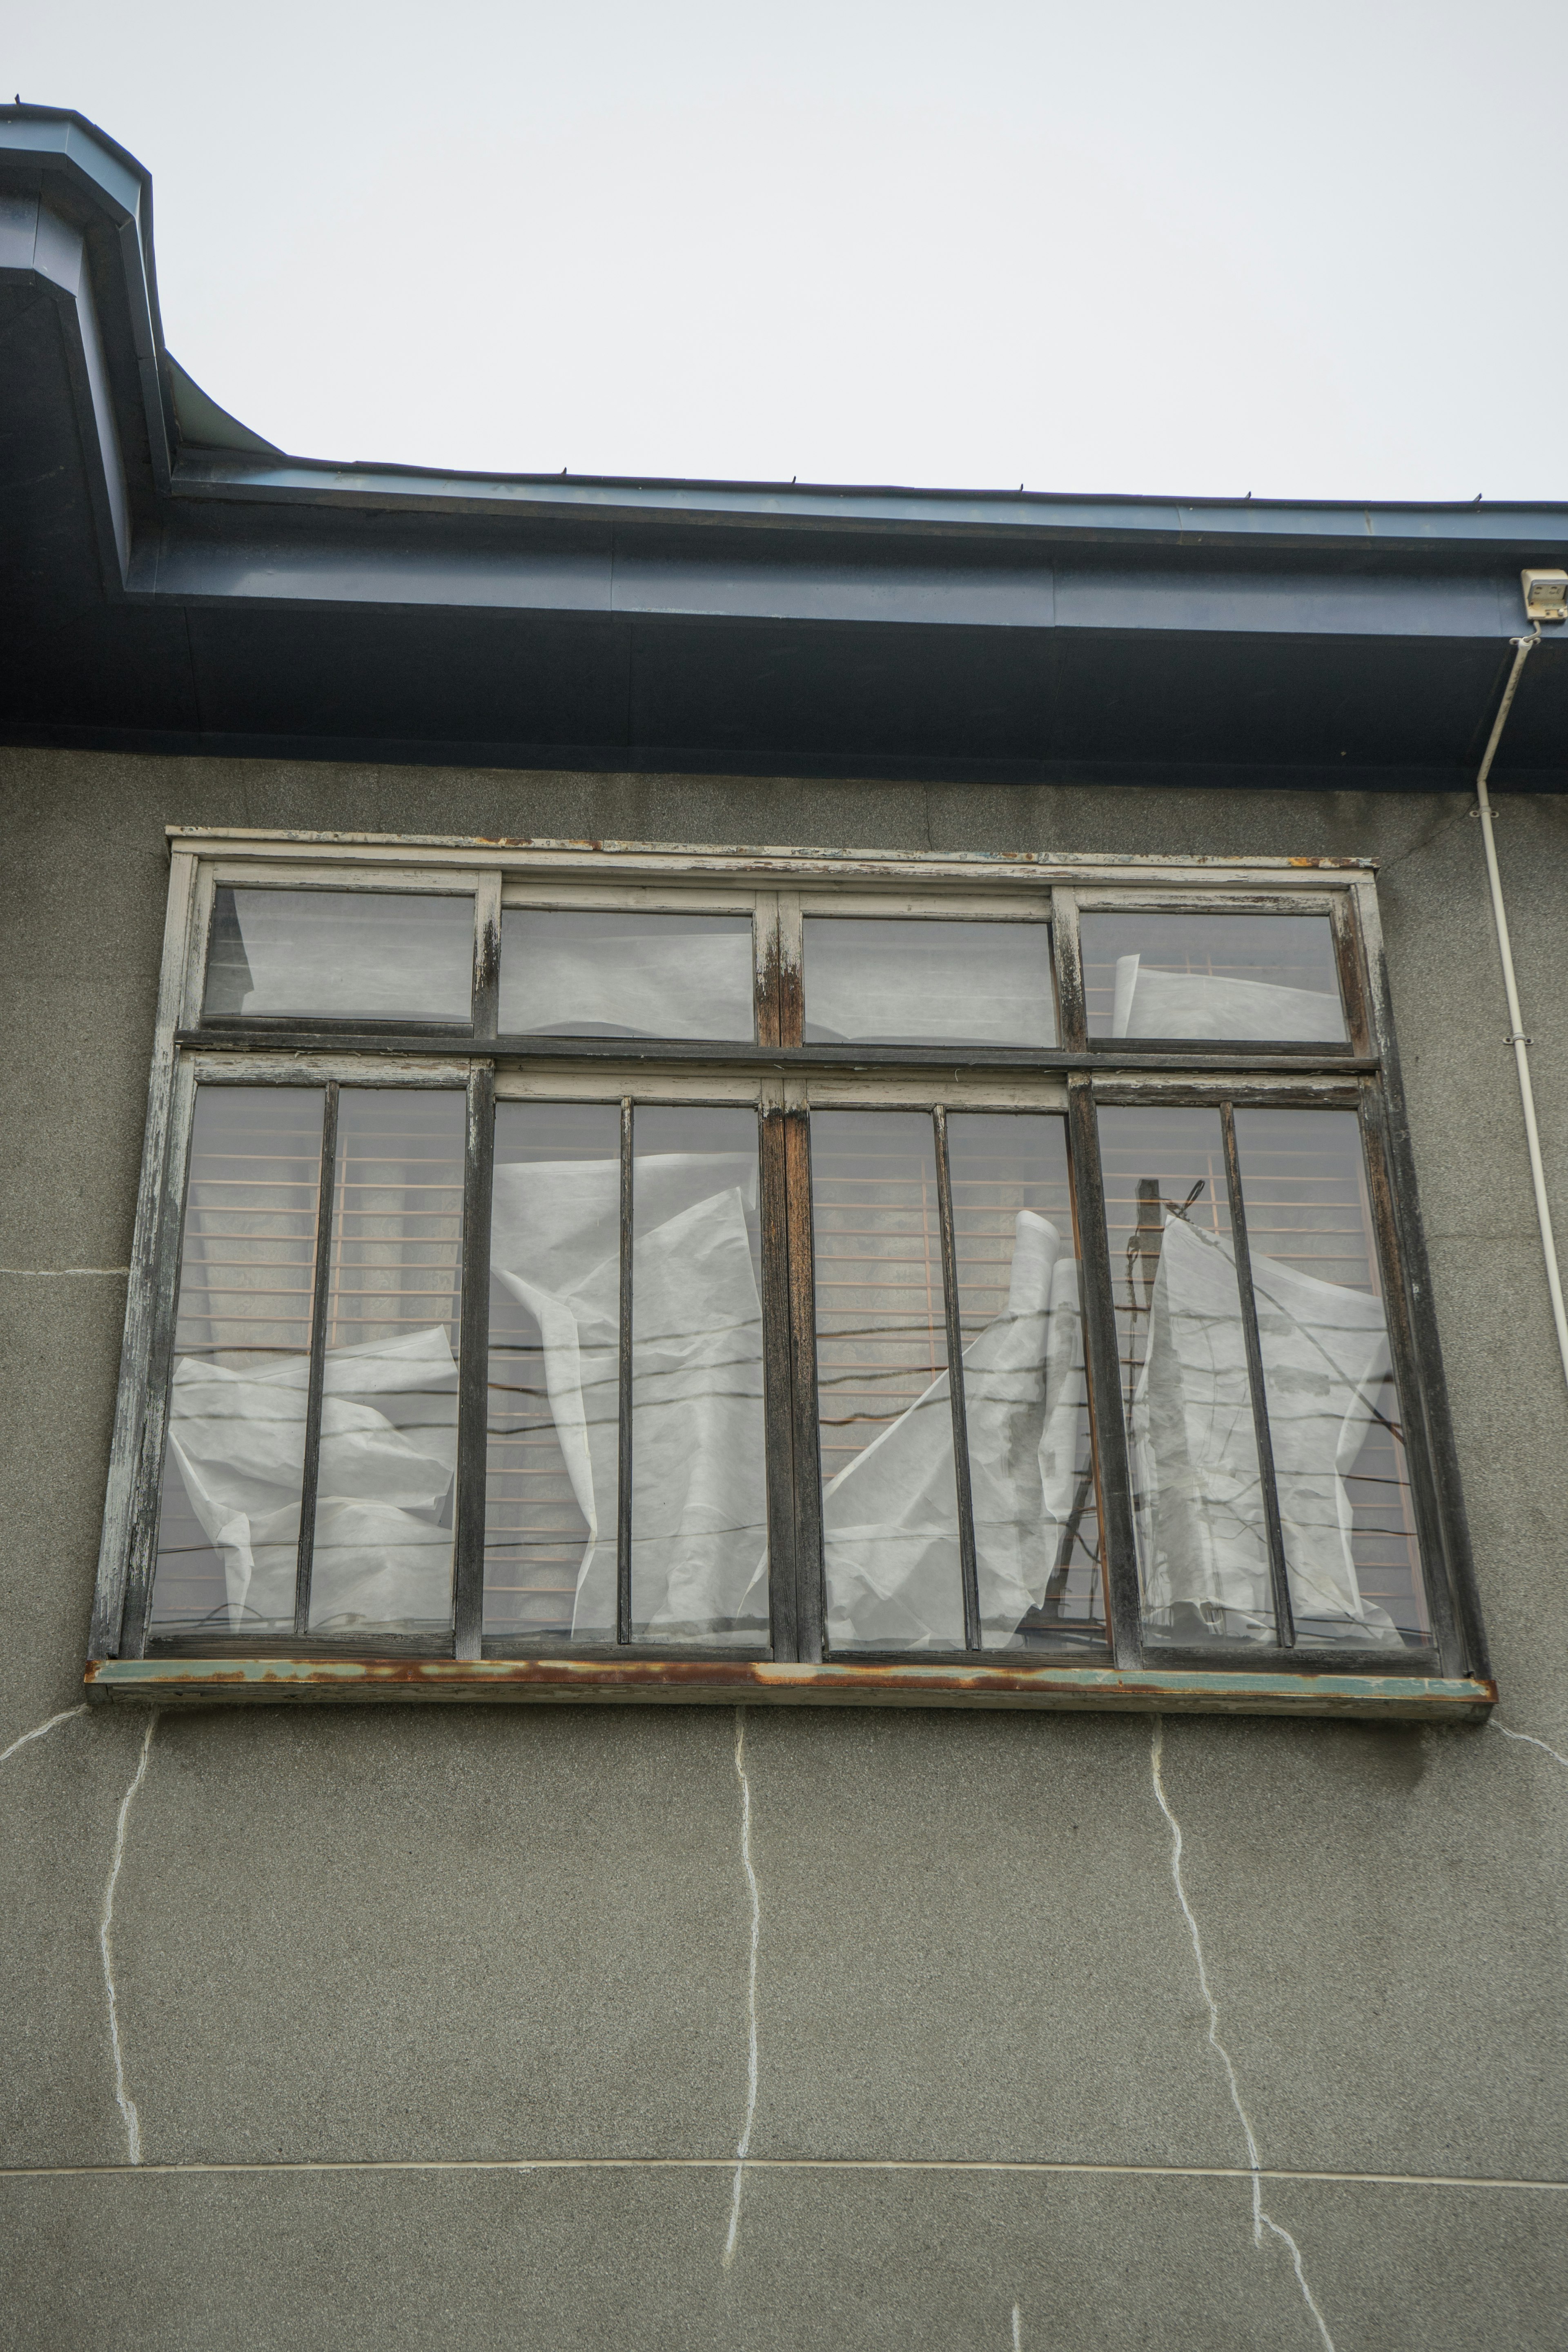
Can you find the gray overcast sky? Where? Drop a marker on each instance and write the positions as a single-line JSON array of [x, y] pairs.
[[1208, 248]]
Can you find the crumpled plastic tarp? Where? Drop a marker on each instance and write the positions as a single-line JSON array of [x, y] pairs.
[[1151, 1003]]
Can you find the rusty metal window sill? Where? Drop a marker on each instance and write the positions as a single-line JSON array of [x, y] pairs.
[[584, 1681]]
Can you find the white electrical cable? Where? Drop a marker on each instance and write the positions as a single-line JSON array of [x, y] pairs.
[[1523, 648]]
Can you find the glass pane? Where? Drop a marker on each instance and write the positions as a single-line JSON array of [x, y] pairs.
[[889, 1503], [341, 955], [228, 1531], [699, 1471], [616, 974], [382, 1558], [1031, 1469], [884, 981], [1198, 1495], [1260, 978], [1334, 1420], [551, 1468]]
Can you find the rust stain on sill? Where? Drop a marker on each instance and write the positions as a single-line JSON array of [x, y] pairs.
[[323, 1679]]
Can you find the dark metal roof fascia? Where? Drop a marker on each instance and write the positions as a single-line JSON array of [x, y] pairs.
[[1474, 529], [52, 142], [40, 141]]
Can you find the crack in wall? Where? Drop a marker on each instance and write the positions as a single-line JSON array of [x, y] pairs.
[[1261, 2219], [57, 1273], [39, 1729], [743, 2149], [1017, 2329], [123, 2098], [1528, 1737]]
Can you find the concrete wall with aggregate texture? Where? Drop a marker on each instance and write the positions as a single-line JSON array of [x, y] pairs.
[[435, 2028]]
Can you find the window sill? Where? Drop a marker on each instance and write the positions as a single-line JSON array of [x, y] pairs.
[[580, 1681]]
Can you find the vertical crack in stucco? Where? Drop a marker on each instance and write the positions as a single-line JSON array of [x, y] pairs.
[[1017, 2329], [1261, 2219], [39, 1729], [743, 2149], [123, 2098], [1528, 1737]]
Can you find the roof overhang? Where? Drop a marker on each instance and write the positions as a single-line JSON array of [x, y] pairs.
[[175, 583]]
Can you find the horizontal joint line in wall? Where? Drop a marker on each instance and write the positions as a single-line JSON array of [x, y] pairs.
[[1033, 2167]]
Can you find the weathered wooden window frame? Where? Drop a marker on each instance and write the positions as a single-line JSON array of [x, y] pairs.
[[784, 1080]]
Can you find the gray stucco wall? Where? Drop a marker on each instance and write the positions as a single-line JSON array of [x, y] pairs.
[[359, 1956]]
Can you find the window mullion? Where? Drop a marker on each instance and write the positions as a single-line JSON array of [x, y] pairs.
[[473, 1369], [1072, 1019], [968, 1572], [778, 1400], [810, 1596], [486, 955], [310, 1472], [1278, 1579], [623, 1457], [1118, 1542]]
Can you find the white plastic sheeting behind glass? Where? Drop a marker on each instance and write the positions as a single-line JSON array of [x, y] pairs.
[[890, 1494], [1254, 978], [887, 980], [1345, 1504], [384, 1527], [235, 1452], [1198, 1498], [596, 973], [699, 1485], [341, 955]]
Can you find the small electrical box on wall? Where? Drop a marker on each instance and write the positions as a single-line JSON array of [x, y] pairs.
[[1545, 594]]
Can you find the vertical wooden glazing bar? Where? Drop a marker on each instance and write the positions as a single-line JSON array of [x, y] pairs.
[[1278, 1578], [1117, 1541], [624, 1484], [811, 1596], [473, 1368], [486, 954], [139, 1557], [967, 1568], [318, 1306], [1072, 1019], [778, 1404], [163, 1176]]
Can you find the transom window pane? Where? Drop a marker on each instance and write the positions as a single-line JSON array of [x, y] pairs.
[[1250, 978], [228, 1531], [888, 981], [341, 955], [893, 1549], [611, 974]]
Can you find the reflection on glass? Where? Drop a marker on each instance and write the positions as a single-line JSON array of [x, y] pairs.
[[228, 1530], [626, 975], [1334, 1410], [384, 1530], [551, 1458], [699, 1475], [888, 981], [1260, 978], [341, 955], [890, 1502], [1031, 1467], [1198, 1492], [698, 1484]]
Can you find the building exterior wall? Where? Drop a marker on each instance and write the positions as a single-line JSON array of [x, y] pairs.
[[360, 1954]]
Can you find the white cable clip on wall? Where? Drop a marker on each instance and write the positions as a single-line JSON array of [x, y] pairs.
[[1545, 599]]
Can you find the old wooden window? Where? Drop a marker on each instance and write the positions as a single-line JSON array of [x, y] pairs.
[[587, 1270]]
